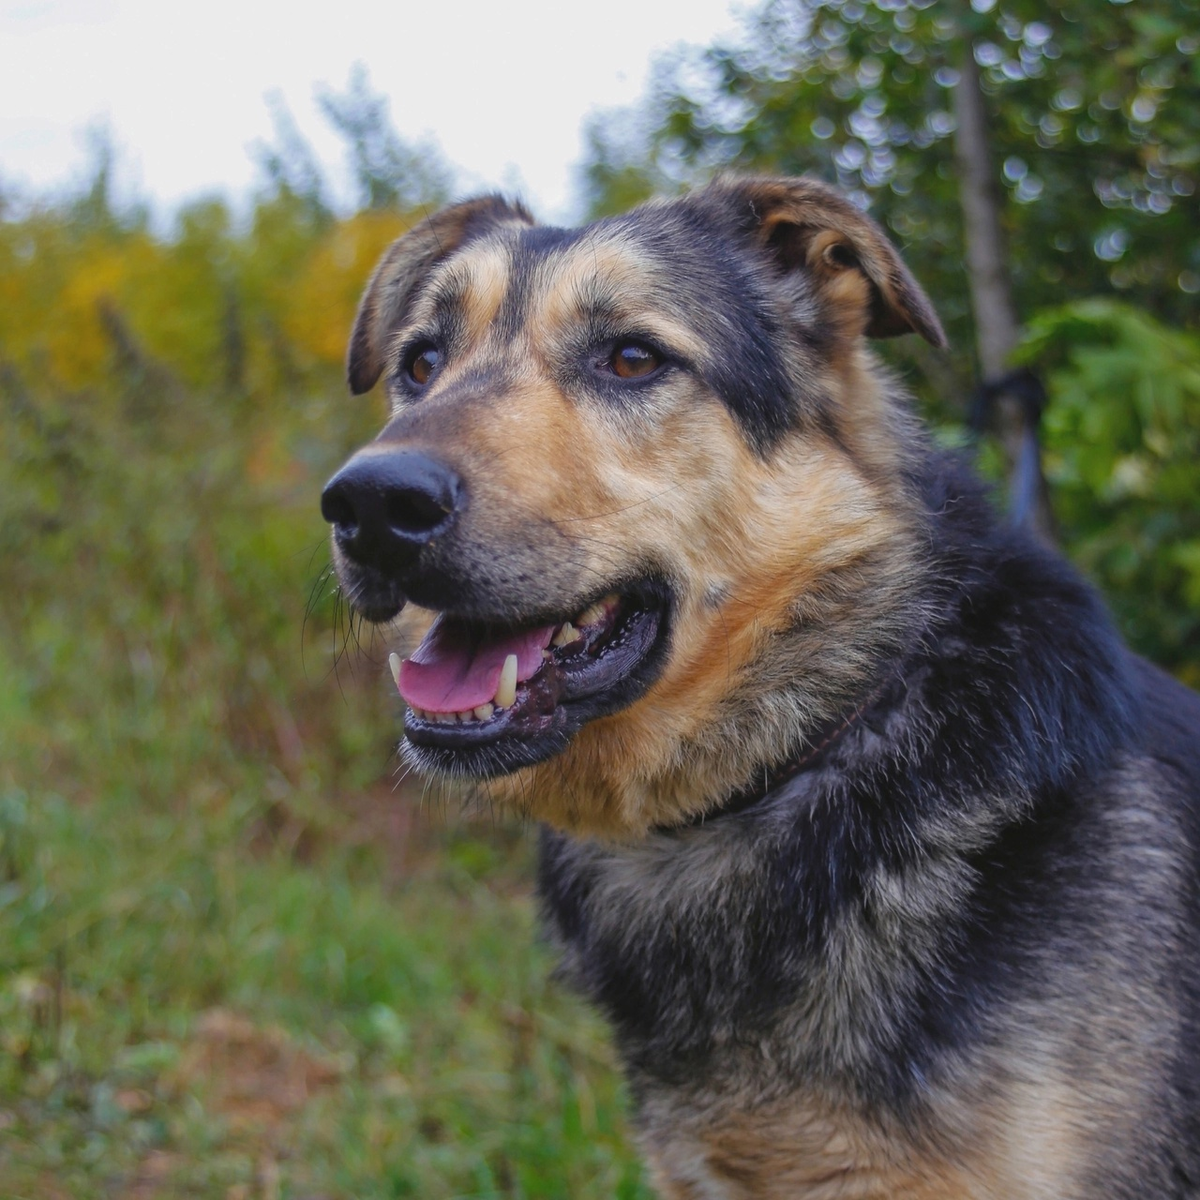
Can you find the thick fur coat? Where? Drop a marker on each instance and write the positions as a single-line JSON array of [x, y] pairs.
[[871, 839]]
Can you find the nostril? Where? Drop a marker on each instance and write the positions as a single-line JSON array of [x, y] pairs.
[[413, 512], [338, 510]]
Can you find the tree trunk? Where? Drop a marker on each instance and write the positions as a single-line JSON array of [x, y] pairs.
[[990, 281]]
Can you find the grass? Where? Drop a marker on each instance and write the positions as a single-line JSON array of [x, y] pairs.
[[188, 1010]]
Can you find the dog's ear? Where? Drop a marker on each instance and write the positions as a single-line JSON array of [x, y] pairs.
[[398, 276], [806, 225]]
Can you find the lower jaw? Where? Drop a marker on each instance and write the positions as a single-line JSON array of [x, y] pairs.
[[503, 756]]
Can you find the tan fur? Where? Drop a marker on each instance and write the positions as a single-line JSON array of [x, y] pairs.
[[484, 278], [1026, 1139], [808, 1151]]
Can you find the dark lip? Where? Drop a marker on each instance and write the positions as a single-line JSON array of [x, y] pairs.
[[575, 687]]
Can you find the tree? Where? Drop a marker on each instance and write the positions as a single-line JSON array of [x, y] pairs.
[[1122, 440], [290, 165], [1094, 116]]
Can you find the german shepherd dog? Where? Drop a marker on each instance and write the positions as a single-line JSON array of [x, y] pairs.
[[875, 845]]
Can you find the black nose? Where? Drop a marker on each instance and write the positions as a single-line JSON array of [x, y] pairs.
[[385, 506]]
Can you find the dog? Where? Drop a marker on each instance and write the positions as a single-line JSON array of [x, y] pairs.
[[875, 845]]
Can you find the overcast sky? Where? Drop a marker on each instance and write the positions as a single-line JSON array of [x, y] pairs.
[[503, 87]]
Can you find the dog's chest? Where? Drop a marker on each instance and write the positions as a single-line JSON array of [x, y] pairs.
[[737, 1016], [801, 1150], [801, 1147]]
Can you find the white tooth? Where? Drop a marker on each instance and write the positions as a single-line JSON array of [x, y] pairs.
[[394, 663], [506, 689], [484, 711], [445, 718], [566, 635], [416, 712]]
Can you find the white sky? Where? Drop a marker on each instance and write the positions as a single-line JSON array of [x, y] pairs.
[[503, 86]]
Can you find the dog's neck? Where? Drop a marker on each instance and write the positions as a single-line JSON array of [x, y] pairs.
[[814, 749]]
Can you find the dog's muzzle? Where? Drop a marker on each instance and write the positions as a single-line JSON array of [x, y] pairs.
[[510, 669]]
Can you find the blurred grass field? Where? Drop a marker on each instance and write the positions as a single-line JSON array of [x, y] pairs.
[[236, 958], [190, 1010]]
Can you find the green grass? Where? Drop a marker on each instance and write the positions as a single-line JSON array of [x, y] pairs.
[[187, 1010]]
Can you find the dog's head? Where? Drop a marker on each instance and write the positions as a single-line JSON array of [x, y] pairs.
[[649, 480]]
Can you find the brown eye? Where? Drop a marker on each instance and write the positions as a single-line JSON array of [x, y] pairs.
[[422, 366], [632, 360]]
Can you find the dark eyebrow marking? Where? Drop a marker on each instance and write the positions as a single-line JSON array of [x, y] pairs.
[[447, 298], [533, 247]]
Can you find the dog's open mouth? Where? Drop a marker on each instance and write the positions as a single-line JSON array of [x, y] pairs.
[[485, 699]]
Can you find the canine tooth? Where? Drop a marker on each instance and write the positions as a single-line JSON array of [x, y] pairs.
[[394, 663], [416, 712], [566, 635], [484, 711], [506, 689]]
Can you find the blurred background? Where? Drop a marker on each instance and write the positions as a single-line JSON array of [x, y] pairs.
[[238, 957]]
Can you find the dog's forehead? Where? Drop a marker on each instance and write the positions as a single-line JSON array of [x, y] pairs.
[[611, 265], [665, 273], [656, 272]]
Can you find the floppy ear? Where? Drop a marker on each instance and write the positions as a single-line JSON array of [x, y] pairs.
[[804, 224], [399, 273]]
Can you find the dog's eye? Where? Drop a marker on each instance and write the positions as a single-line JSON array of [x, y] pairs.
[[421, 364], [632, 360]]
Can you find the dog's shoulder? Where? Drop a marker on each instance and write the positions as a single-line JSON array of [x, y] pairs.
[[1172, 725]]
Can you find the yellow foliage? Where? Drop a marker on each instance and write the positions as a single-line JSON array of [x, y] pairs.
[[76, 344], [258, 311], [321, 306]]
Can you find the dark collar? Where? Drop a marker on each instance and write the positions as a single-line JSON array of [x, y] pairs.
[[815, 748]]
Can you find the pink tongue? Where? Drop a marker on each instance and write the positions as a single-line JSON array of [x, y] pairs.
[[454, 669]]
